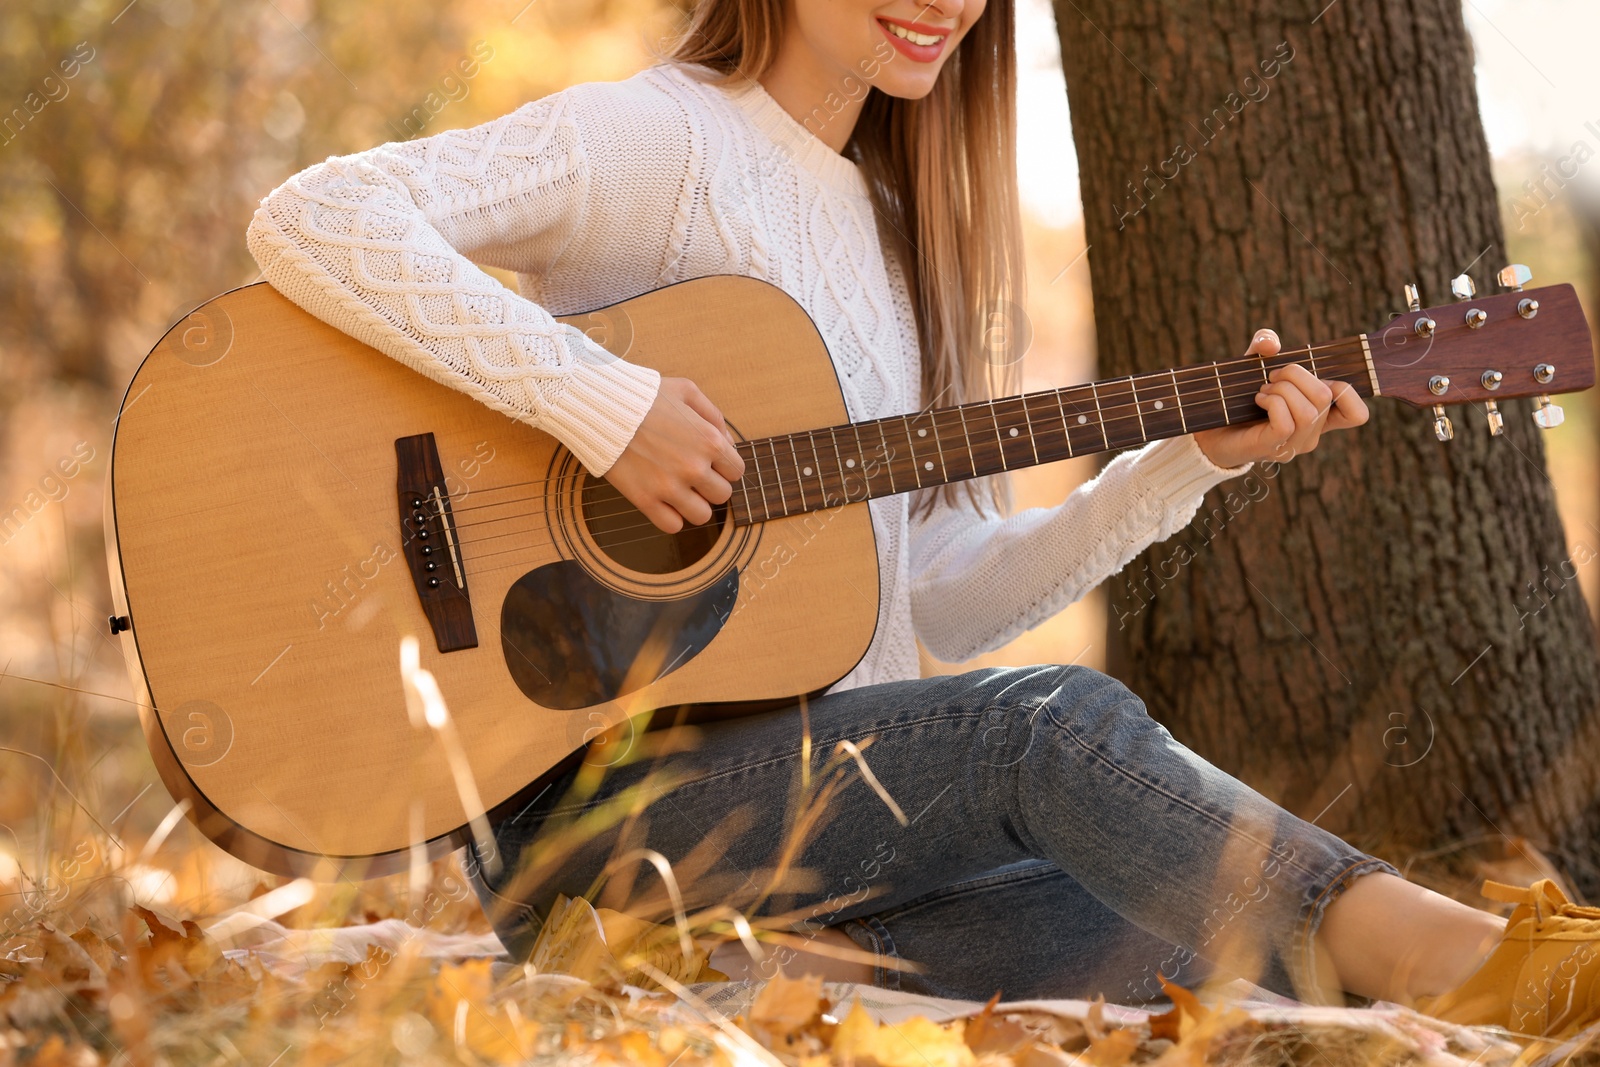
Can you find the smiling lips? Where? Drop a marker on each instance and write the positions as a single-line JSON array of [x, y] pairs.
[[917, 44]]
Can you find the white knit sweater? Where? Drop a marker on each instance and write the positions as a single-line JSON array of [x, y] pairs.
[[606, 190]]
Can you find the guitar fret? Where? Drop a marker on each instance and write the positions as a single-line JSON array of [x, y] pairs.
[[1178, 400], [744, 486], [1222, 396], [1098, 411], [859, 460], [800, 480], [822, 485], [888, 461], [838, 458], [1133, 389], [777, 472], [933, 421], [761, 484], [911, 446], [1066, 427], [994, 418], [967, 437], [1029, 420]]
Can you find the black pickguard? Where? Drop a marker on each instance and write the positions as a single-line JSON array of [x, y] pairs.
[[570, 642]]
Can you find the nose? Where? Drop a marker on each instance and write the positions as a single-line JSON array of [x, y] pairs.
[[940, 9]]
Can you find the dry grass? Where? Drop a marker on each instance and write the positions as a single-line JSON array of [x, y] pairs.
[[138, 952]]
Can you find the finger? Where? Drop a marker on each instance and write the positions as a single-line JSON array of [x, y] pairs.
[[692, 507], [727, 462], [1349, 410], [1319, 392], [1264, 343], [1306, 415], [714, 487], [1278, 415], [663, 516], [697, 402]]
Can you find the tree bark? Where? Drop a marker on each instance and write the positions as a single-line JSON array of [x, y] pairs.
[[1389, 634]]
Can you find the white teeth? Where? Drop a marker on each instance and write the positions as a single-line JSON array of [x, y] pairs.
[[913, 36]]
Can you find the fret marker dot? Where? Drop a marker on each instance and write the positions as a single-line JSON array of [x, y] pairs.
[[1160, 405], [1013, 431], [928, 466], [849, 463], [1082, 419], [806, 471], [922, 433]]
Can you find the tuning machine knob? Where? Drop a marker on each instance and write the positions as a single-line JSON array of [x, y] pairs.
[[1547, 416], [1442, 428], [1514, 277], [1413, 297], [1462, 287], [1497, 421]]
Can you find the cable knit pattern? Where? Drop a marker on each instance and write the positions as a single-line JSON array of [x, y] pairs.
[[606, 190]]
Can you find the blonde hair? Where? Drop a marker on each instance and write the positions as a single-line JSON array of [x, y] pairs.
[[942, 172]]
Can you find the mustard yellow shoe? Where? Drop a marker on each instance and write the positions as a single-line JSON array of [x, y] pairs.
[[1543, 977]]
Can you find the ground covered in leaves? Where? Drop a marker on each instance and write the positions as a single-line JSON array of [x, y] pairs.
[[161, 990]]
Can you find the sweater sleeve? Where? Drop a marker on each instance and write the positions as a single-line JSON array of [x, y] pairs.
[[377, 244], [979, 579]]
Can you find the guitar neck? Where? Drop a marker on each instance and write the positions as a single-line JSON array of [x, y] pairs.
[[808, 471]]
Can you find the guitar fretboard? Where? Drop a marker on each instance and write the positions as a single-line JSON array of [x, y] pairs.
[[811, 470]]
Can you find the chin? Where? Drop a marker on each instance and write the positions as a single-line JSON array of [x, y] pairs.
[[907, 88]]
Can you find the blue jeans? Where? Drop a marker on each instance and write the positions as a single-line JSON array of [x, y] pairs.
[[1056, 840]]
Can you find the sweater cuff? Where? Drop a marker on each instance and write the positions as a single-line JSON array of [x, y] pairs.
[[1178, 470], [602, 403]]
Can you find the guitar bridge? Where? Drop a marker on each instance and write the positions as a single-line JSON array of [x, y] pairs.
[[432, 549]]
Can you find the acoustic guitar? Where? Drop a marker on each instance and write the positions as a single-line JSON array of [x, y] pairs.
[[286, 507]]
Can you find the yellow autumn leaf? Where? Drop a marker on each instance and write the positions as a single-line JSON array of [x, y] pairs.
[[458, 1004], [916, 1042]]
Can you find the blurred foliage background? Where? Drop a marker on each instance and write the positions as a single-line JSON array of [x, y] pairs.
[[135, 141]]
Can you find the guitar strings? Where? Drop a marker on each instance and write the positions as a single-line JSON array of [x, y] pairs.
[[463, 542], [1112, 414], [781, 480], [1204, 375]]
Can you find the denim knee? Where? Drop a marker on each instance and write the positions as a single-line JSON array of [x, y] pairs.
[[1020, 701]]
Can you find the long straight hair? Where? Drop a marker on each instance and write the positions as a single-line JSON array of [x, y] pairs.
[[942, 172]]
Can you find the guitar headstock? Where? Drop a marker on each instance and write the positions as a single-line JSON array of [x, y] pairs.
[[1486, 349]]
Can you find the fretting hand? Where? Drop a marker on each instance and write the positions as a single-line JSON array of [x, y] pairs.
[[681, 459], [1299, 407]]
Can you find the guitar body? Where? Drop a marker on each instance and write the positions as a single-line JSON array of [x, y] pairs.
[[261, 556]]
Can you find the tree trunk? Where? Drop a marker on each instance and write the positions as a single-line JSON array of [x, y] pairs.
[[1388, 634]]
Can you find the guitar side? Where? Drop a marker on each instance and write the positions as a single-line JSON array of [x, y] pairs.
[[256, 546]]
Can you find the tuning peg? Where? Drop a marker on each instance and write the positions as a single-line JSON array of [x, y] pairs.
[[1413, 297], [1442, 429], [1514, 277], [1547, 415], [1462, 287], [1497, 421]]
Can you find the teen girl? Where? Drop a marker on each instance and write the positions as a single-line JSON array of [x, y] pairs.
[[1057, 840]]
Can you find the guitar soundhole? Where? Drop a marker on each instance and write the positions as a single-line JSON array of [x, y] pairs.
[[633, 541]]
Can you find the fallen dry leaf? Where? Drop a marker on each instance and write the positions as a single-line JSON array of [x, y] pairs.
[[1000, 1034], [916, 1042]]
